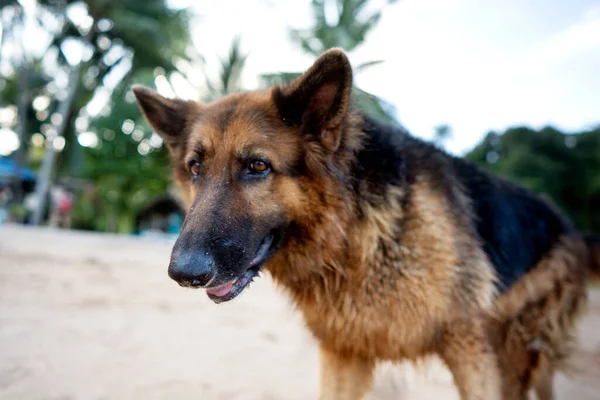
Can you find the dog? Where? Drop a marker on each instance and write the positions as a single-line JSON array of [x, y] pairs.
[[391, 248]]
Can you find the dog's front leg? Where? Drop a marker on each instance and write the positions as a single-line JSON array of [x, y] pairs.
[[472, 361], [344, 377]]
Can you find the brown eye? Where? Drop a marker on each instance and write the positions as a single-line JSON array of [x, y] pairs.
[[258, 167], [194, 167]]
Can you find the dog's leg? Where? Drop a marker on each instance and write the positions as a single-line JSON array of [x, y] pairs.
[[472, 361], [544, 389], [344, 377]]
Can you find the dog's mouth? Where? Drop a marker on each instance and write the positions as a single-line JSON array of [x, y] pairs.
[[232, 289]]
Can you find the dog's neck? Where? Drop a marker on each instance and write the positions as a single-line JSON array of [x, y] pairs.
[[328, 252]]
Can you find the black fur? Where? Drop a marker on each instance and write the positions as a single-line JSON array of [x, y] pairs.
[[379, 162], [516, 226]]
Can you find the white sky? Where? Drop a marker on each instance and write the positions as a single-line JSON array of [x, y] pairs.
[[473, 65]]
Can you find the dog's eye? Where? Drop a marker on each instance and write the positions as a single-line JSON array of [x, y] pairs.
[[194, 167], [258, 167]]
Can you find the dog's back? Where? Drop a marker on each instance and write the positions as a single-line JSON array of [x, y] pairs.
[[515, 226]]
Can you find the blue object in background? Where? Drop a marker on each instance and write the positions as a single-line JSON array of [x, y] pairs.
[[175, 222], [8, 169]]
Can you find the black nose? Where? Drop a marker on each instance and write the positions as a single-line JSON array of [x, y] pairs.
[[192, 267]]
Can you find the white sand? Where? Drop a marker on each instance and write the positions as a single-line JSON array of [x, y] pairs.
[[91, 316]]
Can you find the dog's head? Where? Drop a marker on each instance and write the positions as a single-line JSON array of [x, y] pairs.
[[246, 166]]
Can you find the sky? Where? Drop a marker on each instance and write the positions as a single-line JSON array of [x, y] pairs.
[[476, 66]]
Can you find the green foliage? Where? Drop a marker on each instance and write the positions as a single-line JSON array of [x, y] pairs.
[[38, 81], [122, 38], [17, 212], [129, 167], [562, 167], [125, 34]]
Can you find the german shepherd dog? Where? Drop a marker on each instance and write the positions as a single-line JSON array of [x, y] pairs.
[[390, 248]]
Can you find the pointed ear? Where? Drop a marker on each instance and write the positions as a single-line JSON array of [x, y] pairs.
[[168, 117], [318, 100]]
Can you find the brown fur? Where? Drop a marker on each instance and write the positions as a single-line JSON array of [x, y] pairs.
[[398, 278], [533, 324]]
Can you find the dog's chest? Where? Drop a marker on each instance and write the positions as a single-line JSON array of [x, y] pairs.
[[386, 325]]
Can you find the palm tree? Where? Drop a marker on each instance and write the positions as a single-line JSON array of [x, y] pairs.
[[230, 74], [344, 25], [110, 38]]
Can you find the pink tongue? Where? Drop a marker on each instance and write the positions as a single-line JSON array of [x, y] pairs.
[[221, 290]]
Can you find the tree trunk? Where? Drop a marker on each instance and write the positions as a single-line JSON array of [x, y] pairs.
[[23, 102], [5, 27], [43, 181], [23, 113]]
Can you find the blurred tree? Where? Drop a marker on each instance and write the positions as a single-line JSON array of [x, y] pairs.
[[100, 42], [344, 24], [126, 162], [338, 23], [441, 134], [230, 73], [14, 26], [562, 167], [22, 76]]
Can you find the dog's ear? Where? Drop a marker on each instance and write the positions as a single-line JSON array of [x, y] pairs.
[[318, 100], [168, 117]]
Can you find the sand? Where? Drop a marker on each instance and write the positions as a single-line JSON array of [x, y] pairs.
[[94, 316]]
